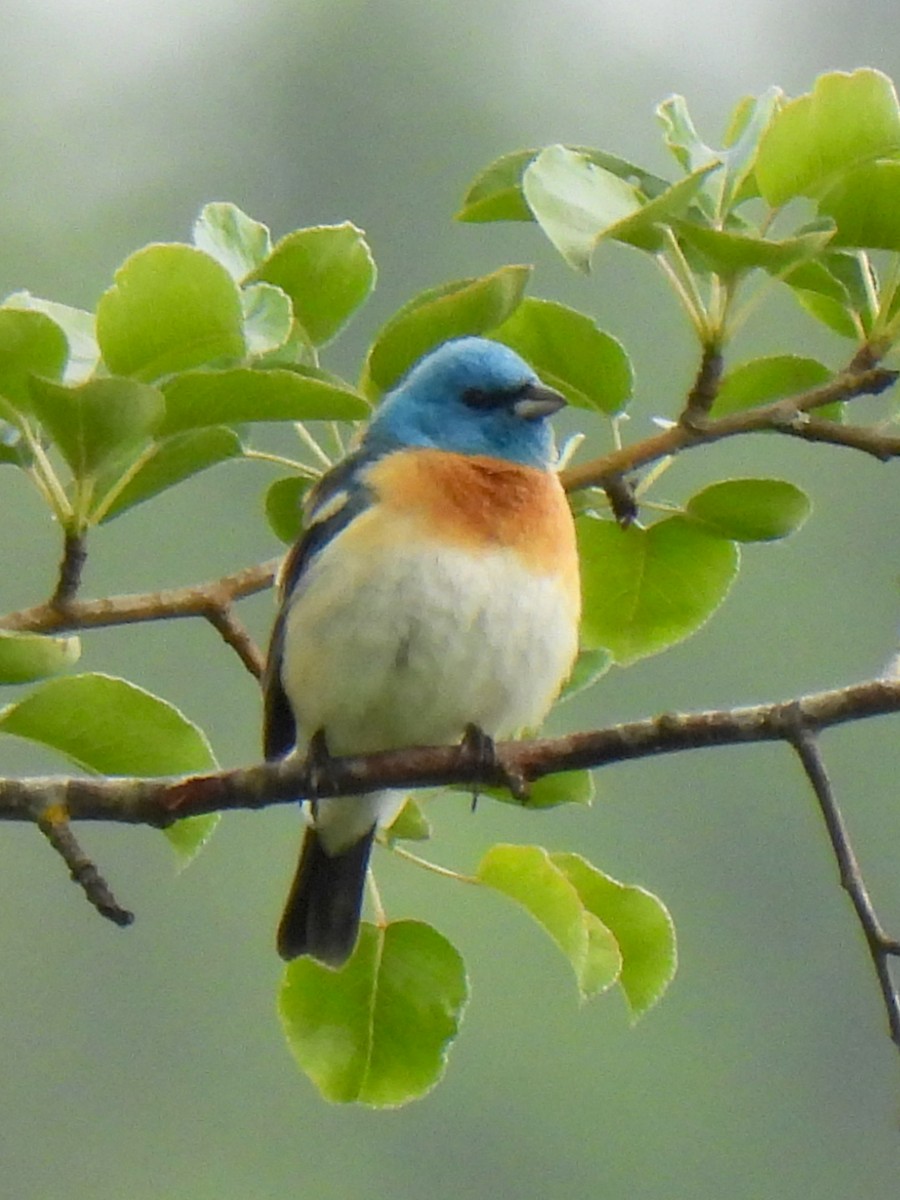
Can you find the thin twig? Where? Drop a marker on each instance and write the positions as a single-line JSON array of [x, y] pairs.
[[54, 824], [236, 635], [881, 947], [855, 437], [781, 416], [194, 600]]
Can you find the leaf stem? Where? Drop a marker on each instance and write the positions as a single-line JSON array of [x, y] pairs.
[[435, 868]]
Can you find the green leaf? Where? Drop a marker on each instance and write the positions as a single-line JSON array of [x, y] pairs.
[[410, 824], [643, 228], [376, 1032], [564, 787], [284, 506], [327, 270], [188, 836], [241, 395], [865, 206], [750, 510], [465, 306], [96, 421], [750, 119], [845, 121], [109, 726], [232, 238], [575, 202], [816, 277], [762, 380], [570, 353], [730, 254], [496, 194], [268, 317], [296, 352], [646, 589], [528, 875], [28, 656], [76, 324], [171, 461], [590, 666], [829, 312], [30, 344], [578, 204], [171, 308], [640, 923], [681, 137]]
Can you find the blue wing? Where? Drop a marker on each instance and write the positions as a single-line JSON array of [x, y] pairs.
[[337, 499]]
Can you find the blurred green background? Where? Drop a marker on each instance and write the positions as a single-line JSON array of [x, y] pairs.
[[149, 1063]]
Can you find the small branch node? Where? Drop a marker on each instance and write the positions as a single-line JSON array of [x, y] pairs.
[[70, 569], [703, 393], [620, 492]]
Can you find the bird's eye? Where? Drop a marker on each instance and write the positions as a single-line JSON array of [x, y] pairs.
[[495, 398], [478, 398]]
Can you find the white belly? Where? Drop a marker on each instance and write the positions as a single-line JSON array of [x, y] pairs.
[[413, 644]]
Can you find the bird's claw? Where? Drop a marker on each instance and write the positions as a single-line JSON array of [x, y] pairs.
[[319, 774], [481, 751]]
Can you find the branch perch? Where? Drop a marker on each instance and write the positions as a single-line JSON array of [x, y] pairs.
[[160, 802]]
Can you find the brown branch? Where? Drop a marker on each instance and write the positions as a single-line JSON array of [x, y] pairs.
[[236, 635], [781, 416], [54, 824], [881, 947], [160, 802], [855, 437], [194, 600]]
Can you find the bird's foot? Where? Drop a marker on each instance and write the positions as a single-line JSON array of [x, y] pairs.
[[482, 753], [319, 773]]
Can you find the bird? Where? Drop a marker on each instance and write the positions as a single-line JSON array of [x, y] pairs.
[[434, 591]]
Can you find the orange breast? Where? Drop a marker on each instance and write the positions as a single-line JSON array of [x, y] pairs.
[[478, 503]]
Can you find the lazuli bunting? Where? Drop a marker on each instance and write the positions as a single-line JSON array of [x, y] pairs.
[[435, 588]]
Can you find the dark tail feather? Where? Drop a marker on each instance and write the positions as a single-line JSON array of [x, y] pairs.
[[321, 917]]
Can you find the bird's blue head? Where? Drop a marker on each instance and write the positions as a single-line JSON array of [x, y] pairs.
[[470, 396]]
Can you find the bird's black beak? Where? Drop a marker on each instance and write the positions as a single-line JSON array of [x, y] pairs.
[[536, 401]]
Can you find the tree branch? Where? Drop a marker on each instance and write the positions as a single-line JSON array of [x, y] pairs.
[[53, 802], [212, 600], [881, 947], [160, 802], [54, 824], [781, 416], [855, 437], [235, 634]]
